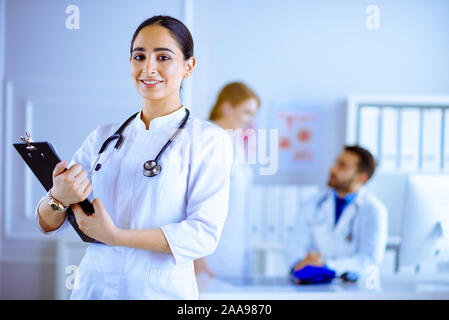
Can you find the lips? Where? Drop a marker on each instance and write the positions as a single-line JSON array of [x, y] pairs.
[[147, 83]]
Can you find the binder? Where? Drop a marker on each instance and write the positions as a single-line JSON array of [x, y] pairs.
[[389, 153], [431, 139], [369, 129], [272, 210], [291, 209], [445, 143], [410, 137], [255, 214], [41, 158]]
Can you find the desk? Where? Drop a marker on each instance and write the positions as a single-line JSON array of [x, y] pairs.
[[392, 287]]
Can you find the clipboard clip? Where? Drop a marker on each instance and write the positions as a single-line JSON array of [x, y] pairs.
[[28, 140]]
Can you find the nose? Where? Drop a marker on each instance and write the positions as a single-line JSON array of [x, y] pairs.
[[150, 66]]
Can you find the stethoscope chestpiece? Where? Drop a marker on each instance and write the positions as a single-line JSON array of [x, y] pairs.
[[151, 168]]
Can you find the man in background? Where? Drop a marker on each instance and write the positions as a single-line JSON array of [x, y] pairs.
[[344, 228]]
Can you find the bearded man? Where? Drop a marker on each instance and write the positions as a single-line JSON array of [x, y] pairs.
[[344, 228]]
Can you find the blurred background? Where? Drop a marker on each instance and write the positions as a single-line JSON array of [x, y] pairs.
[[350, 71]]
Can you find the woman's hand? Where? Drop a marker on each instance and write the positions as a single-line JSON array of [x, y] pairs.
[[71, 186], [99, 225], [202, 266]]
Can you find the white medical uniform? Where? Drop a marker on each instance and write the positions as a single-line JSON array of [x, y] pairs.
[[356, 242], [231, 259], [188, 200]]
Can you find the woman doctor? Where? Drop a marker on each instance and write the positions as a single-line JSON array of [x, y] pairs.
[[234, 109], [152, 227]]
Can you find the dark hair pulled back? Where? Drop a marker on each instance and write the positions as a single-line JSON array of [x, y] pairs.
[[177, 29]]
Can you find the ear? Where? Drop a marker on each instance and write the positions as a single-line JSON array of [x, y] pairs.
[[189, 66], [362, 177]]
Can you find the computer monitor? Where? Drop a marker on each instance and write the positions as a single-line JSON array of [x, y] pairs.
[[425, 221]]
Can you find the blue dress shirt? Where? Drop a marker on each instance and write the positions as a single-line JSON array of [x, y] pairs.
[[342, 203]]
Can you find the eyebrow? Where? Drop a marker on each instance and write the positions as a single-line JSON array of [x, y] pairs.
[[155, 49]]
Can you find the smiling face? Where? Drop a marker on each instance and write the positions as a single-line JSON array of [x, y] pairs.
[[157, 64]]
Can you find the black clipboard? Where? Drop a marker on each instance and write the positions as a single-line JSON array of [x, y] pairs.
[[41, 158]]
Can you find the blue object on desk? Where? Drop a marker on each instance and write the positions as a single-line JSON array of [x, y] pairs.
[[314, 275]]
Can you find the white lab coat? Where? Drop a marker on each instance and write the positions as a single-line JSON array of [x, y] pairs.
[[230, 259], [357, 241], [187, 200]]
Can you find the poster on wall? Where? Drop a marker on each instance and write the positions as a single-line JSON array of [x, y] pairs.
[[300, 138]]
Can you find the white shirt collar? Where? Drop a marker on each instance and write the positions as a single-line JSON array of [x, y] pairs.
[[174, 117]]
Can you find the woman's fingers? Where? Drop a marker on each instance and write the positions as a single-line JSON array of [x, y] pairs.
[[87, 191], [81, 190], [72, 185], [73, 171], [97, 204], [81, 184], [84, 189], [59, 168], [78, 212], [81, 175]]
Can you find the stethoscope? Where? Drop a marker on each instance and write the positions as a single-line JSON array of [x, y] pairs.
[[151, 168], [319, 219]]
